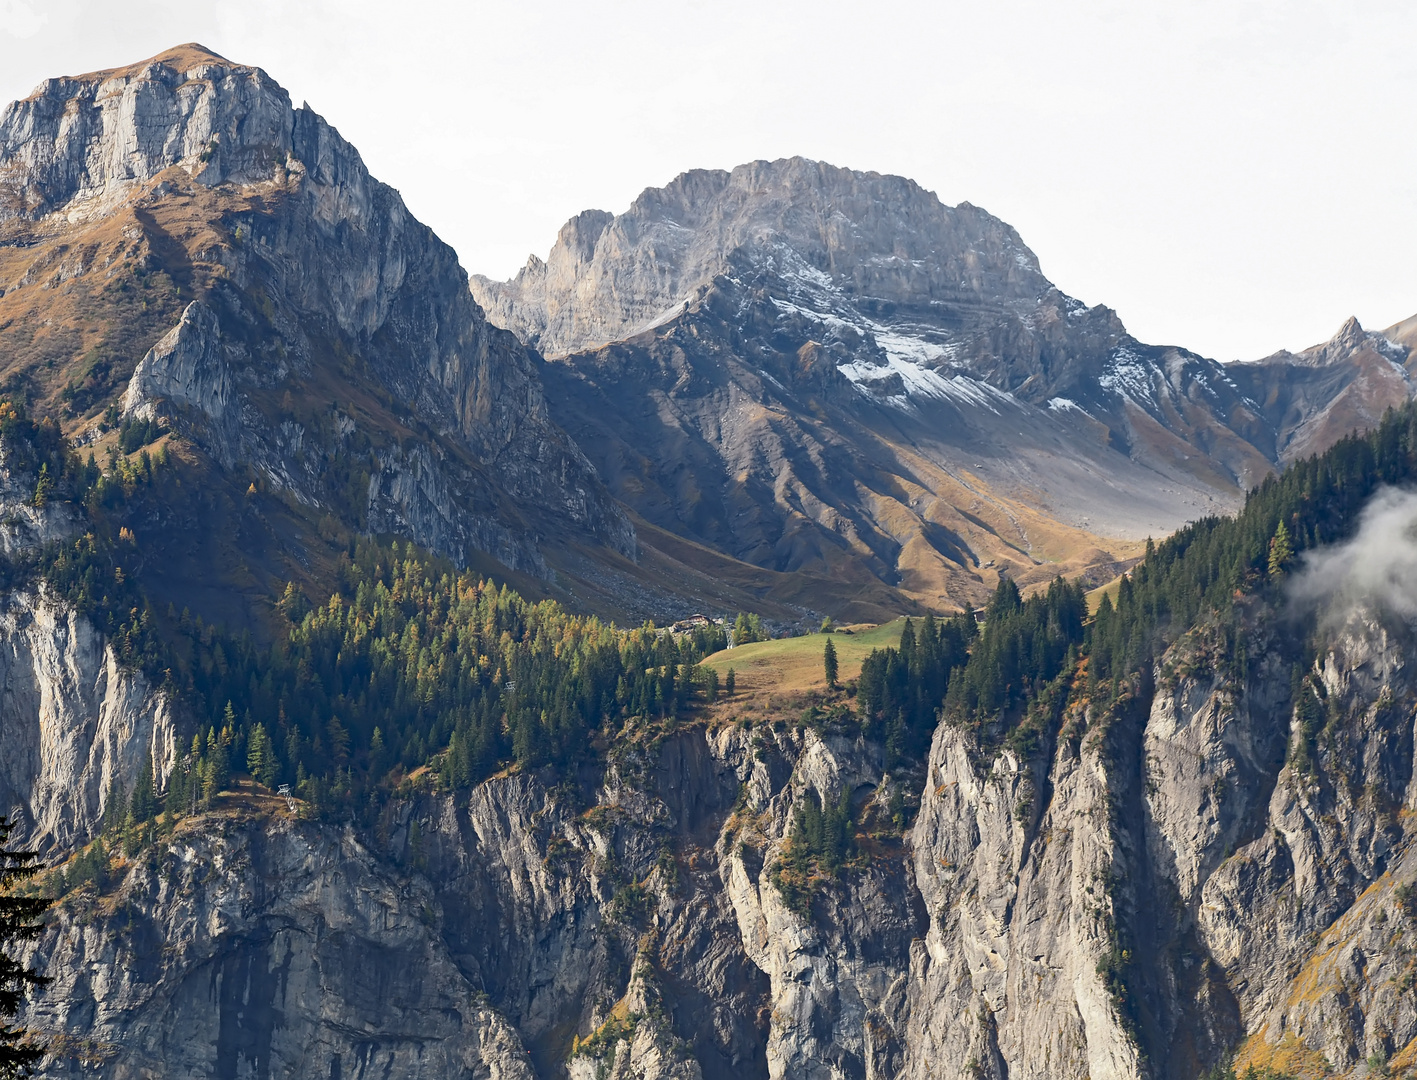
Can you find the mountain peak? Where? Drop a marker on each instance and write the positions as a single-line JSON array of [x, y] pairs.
[[87, 141], [180, 58], [1351, 330], [804, 224]]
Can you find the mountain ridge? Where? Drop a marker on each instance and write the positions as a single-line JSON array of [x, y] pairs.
[[921, 336], [1145, 842]]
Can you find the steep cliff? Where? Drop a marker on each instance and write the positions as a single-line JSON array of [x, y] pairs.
[[1138, 894]]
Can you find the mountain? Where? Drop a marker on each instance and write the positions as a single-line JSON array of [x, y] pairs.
[[309, 704], [811, 367], [1183, 840], [181, 247], [1313, 398]]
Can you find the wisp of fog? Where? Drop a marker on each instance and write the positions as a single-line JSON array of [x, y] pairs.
[[1377, 567]]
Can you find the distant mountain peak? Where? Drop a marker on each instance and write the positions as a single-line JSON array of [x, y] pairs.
[[1350, 334], [868, 236]]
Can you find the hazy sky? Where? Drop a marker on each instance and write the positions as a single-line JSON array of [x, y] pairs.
[[1234, 176]]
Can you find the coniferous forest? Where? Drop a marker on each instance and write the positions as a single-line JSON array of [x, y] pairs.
[[413, 665]]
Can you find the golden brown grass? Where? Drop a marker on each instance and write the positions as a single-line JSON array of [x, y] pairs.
[[1110, 590], [1291, 1056]]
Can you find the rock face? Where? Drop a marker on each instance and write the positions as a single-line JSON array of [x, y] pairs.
[[77, 727], [312, 282], [1314, 398], [815, 368], [862, 234], [1198, 870], [187, 371]]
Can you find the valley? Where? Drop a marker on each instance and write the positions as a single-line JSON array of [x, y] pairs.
[[341, 696]]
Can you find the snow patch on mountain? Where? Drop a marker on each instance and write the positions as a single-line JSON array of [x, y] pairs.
[[1129, 376], [923, 382]]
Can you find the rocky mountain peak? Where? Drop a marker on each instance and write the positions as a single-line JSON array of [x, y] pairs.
[[308, 328], [81, 144], [800, 225], [186, 58], [1351, 335]]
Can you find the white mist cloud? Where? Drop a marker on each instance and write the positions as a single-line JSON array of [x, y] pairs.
[[1377, 567]]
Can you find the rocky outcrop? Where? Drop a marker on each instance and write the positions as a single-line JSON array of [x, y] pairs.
[[259, 948], [1024, 912], [25, 523], [79, 146], [188, 371], [1309, 918]]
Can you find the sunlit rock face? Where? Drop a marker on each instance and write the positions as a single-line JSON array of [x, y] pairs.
[[1134, 895]]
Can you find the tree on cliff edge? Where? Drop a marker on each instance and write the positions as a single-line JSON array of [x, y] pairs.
[[19, 1051]]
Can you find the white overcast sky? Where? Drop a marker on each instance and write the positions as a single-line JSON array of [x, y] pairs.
[[1234, 176]]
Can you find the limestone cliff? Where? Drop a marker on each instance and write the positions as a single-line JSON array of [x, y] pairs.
[[1195, 871]]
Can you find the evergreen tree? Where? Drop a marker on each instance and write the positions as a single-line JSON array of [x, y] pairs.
[[216, 769], [260, 756], [115, 806], [143, 806], [19, 915], [729, 683], [1281, 550], [829, 664], [747, 629]]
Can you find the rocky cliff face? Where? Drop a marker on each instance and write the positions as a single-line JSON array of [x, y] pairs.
[[881, 239], [1204, 868], [322, 328]]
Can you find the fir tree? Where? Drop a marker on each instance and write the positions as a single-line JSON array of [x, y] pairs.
[[261, 756], [1281, 550], [216, 769], [829, 664], [143, 806]]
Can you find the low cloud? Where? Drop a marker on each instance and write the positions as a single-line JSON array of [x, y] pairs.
[[1377, 567]]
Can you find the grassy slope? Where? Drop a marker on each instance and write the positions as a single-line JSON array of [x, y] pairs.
[[792, 665], [1110, 590]]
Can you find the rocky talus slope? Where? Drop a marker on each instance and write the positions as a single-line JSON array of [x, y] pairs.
[[1194, 871], [809, 366]]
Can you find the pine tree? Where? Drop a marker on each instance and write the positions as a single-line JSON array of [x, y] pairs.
[[261, 756], [829, 664], [19, 1051], [216, 769], [1281, 550], [729, 682]]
